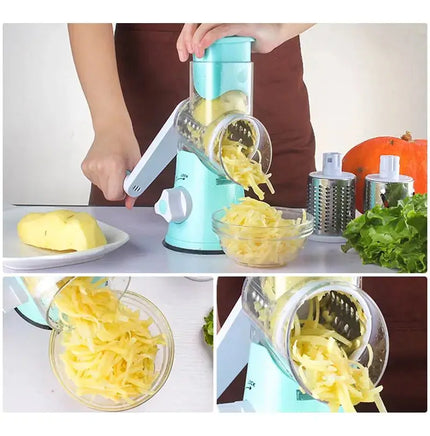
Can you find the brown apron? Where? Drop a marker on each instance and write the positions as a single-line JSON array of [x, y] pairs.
[[154, 81]]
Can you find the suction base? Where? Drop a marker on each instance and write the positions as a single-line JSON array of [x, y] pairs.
[[189, 250]]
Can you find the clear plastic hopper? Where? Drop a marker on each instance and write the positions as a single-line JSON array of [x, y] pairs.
[[271, 303]]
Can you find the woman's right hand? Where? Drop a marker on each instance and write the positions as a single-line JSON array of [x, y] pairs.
[[115, 149], [112, 153]]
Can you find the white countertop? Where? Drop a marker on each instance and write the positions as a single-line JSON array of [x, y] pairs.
[[144, 252], [29, 385]]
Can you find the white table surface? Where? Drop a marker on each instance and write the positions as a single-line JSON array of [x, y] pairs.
[[144, 252], [29, 385]]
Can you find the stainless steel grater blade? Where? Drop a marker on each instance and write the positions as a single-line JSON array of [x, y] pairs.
[[340, 313], [331, 199], [240, 130], [389, 186]]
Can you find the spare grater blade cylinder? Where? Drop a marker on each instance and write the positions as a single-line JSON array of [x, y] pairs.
[[389, 186], [331, 199]]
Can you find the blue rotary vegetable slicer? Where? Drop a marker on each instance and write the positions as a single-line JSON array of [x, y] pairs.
[[219, 108], [257, 334]]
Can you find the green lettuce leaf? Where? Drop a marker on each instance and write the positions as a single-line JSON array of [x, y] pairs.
[[208, 328], [394, 237]]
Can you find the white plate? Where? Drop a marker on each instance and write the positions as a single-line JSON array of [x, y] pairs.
[[20, 256]]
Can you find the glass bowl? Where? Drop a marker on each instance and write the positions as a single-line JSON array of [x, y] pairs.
[[163, 360], [264, 247]]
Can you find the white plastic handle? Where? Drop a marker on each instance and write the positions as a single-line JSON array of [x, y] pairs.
[[232, 345], [161, 151]]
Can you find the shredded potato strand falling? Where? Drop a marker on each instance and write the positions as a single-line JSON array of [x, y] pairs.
[[258, 235], [109, 350], [244, 170], [326, 369]]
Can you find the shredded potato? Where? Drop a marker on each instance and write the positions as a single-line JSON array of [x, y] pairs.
[[257, 234], [243, 170], [109, 350], [325, 368]]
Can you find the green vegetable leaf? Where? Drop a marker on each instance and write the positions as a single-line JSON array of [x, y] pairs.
[[393, 237], [208, 328]]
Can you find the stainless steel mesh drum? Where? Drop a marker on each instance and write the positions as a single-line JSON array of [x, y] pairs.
[[389, 186], [331, 199]]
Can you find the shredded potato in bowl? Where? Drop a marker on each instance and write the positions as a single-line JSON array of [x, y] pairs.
[[256, 234], [113, 354], [325, 367]]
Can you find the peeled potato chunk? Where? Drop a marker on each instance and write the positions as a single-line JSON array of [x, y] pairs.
[[61, 230]]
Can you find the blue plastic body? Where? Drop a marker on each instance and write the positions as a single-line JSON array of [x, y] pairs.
[[209, 193], [269, 389], [225, 66]]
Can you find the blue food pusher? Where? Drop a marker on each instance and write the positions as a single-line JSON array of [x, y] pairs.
[[219, 106]]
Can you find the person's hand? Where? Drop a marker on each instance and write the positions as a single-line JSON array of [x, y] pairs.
[[195, 38], [112, 153]]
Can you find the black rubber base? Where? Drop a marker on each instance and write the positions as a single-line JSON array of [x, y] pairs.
[[187, 250], [30, 321]]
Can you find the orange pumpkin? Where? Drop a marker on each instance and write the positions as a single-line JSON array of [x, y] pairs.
[[363, 159]]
